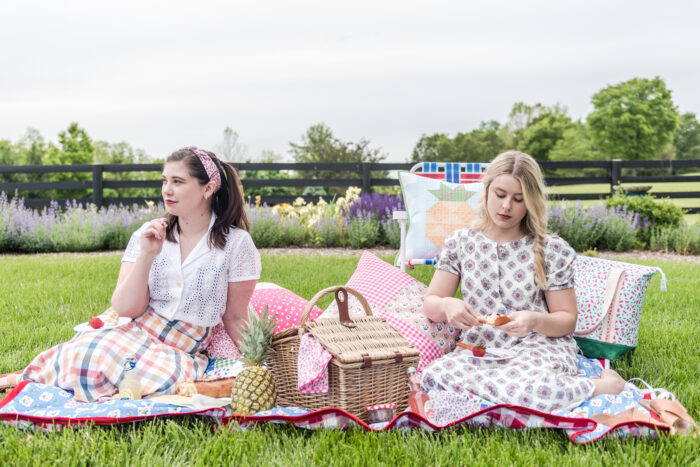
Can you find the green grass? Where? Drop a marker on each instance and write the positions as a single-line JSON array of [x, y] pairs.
[[43, 296]]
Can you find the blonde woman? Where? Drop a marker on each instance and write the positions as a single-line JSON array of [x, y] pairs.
[[509, 264]]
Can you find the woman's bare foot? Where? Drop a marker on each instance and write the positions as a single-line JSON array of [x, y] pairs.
[[610, 382]]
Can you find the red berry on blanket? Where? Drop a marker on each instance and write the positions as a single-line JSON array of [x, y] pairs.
[[96, 323]]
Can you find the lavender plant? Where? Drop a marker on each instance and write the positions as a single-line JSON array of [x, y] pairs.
[[392, 231], [596, 227], [363, 231], [328, 231], [378, 207], [73, 227]]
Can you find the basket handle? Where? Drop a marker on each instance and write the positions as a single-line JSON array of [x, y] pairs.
[[341, 297]]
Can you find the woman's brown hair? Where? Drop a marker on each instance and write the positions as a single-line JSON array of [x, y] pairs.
[[227, 202]]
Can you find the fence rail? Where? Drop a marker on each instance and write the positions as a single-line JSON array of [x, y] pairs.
[[97, 184]]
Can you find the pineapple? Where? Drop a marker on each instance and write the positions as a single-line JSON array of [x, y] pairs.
[[453, 211], [254, 389]]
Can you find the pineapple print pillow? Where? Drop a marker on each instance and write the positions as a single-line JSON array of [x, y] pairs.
[[435, 209]]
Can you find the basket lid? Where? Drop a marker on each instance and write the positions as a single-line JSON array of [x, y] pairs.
[[371, 340], [364, 339]]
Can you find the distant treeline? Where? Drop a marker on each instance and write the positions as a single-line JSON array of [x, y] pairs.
[[636, 119]]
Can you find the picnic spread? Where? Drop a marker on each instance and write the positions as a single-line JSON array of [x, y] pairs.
[[352, 365]]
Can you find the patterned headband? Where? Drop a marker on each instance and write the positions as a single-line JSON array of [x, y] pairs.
[[209, 165]]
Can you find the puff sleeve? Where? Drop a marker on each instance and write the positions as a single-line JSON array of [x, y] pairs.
[[133, 248], [448, 260], [559, 260], [244, 262]]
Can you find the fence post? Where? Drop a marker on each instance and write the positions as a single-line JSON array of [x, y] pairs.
[[366, 178], [615, 175], [97, 184]]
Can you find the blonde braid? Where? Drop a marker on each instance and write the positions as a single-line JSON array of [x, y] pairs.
[[540, 268]]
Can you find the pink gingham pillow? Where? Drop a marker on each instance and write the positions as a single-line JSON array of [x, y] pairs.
[[396, 296]]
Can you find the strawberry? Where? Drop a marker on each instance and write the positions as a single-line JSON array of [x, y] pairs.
[[479, 351], [96, 323]]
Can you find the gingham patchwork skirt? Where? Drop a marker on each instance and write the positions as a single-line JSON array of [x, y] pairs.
[[90, 364]]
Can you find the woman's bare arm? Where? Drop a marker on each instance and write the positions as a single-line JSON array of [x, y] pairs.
[[440, 304], [236, 314]]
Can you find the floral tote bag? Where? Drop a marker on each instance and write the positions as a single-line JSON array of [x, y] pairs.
[[610, 295]]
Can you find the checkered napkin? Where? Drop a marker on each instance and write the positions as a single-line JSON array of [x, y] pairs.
[[312, 364]]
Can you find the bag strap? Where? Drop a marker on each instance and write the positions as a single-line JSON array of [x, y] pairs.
[[611, 288]]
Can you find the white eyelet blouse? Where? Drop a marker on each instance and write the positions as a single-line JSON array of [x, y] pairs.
[[195, 290]]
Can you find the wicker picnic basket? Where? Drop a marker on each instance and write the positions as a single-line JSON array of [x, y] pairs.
[[369, 363]]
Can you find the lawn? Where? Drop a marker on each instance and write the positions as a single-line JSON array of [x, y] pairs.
[[43, 296]]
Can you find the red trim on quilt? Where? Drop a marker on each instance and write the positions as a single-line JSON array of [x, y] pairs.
[[12, 394], [574, 421]]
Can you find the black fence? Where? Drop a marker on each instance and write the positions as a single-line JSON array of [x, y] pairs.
[[612, 175]]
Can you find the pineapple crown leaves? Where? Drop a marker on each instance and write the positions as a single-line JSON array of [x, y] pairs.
[[458, 193], [256, 344]]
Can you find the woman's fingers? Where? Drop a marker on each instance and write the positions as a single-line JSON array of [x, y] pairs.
[[156, 229], [471, 317]]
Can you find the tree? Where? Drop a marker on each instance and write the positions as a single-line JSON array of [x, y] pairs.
[[575, 144], [434, 148], [522, 116], [230, 149], [123, 153], [76, 147], [480, 145], [687, 137], [319, 144], [34, 147], [266, 157], [9, 155], [635, 119], [540, 138]]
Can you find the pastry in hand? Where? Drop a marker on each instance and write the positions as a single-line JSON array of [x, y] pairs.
[[494, 320]]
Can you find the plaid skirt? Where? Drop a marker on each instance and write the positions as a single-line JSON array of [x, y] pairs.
[[90, 364]]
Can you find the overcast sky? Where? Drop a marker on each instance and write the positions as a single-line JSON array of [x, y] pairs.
[[165, 74]]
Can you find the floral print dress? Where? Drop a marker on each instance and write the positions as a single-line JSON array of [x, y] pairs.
[[500, 278]]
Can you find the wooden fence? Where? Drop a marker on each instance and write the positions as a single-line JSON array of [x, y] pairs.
[[97, 184]]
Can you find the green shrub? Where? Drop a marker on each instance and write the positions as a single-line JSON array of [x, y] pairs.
[[684, 240], [653, 213]]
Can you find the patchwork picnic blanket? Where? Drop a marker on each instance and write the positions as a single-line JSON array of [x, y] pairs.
[[37, 406]]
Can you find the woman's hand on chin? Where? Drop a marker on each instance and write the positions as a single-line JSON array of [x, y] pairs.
[[153, 237], [521, 323]]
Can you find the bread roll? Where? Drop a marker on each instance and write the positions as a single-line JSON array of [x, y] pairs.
[[208, 387], [494, 320]]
